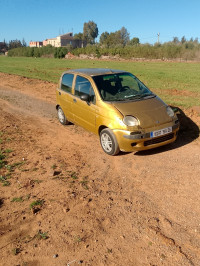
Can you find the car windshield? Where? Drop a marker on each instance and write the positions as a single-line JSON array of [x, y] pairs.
[[121, 87]]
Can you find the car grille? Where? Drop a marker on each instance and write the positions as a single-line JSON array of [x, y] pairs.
[[158, 140]]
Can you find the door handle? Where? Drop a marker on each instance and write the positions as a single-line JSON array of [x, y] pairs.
[[74, 100]]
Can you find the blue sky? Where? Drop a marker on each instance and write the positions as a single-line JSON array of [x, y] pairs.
[[38, 20]]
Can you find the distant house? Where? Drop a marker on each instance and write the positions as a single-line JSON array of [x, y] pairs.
[[60, 41], [45, 43], [35, 44], [64, 40]]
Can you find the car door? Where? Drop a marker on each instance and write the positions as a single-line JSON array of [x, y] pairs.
[[84, 112], [64, 95]]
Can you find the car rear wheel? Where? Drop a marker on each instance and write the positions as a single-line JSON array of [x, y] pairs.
[[61, 116], [108, 142]]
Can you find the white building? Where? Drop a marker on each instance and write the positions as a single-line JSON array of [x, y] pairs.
[[64, 40]]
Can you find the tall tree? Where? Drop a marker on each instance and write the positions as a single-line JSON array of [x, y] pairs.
[[104, 38], [90, 32], [183, 39], [175, 40], [24, 43], [78, 36], [119, 37], [134, 41], [125, 36], [14, 44], [3, 46]]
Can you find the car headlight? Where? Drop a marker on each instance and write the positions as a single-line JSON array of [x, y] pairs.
[[170, 112], [130, 121]]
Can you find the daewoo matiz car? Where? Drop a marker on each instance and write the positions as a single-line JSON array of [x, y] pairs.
[[116, 106]]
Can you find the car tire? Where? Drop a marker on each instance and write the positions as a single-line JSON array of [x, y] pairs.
[[61, 116], [108, 142]]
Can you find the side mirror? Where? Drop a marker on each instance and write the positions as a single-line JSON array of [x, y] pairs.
[[85, 97]]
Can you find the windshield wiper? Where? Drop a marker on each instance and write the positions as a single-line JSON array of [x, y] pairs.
[[140, 96], [133, 97], [148, 96], [130, 96]]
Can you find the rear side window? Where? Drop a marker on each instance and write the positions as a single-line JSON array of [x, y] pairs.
[[66, 84], [83, 86]]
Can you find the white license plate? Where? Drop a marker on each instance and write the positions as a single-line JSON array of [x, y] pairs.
[[160, 132]]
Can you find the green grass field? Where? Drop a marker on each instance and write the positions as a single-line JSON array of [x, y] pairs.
[[176, 83]]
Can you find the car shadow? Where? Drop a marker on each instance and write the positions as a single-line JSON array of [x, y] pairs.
[[1, 202], [188, 132]]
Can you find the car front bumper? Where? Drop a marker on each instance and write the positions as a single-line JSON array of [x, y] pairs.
[[132, 141]]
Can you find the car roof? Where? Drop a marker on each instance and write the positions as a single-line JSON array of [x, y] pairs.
[[94, 71]]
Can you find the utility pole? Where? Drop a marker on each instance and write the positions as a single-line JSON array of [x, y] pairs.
[[158, 34]]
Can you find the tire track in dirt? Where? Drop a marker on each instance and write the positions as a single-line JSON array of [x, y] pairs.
[[28, 104]]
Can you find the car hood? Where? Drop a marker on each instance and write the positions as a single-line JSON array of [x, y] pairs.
[[150, 112]]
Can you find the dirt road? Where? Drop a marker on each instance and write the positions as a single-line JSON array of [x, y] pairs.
[[65, 202]]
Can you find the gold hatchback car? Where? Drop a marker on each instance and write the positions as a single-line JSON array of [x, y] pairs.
[[116, 106]]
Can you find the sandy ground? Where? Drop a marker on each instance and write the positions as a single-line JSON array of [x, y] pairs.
[[63, 201]]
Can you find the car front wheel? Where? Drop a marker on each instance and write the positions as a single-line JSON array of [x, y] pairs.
[[61, 116], [108, 142]]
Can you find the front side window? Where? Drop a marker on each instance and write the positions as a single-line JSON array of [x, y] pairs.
[[83, 86], [67, 81], [121, 87]]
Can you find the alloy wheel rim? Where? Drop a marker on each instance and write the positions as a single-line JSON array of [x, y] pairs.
[[60, 115], [106, 142]]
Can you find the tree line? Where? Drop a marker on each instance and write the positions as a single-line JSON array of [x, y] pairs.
[[4, 46], [116, 43], [45, 51]]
